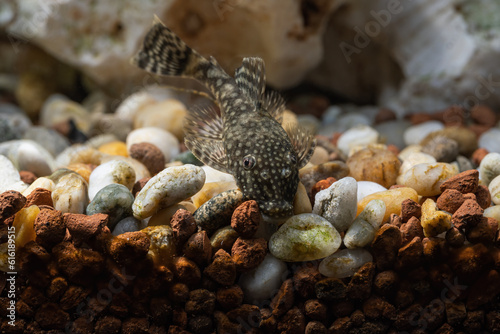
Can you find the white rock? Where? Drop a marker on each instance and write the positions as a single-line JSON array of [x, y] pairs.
[[337, 203], [164, 140], [489, 168], [304, 237], [117, 27], [490, 140], [70, 193], [493, 212], [359, 234], [366, 188], [373, 213], [361, 135], [426, 178], [168, 187], [408, 151], [114, 171], [10, 180], [41, 182], [140, 170], [168, 115], [129, 107], [263, 282], [415, 159], [416, 133], [28, 155], [344, 123], [129, 224], [344, 263], [494, 188]]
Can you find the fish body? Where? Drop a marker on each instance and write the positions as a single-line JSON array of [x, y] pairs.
[[245, 138]]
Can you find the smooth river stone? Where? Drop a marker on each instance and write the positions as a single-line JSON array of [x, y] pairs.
[[304, 237], [366, 188], [392, 199], [415, 159], [360, 135], [164, 140], [217, 212], [10, 180], [426, 178], [114, 171], [363, 229], [262, 282], [493, 212], [337, 203], [434, 221], [70, 192], [489, 168], [416, 133], [168, 187], [494, 188], [115, 200], [344, 263]]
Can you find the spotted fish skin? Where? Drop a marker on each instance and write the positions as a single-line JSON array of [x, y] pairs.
[[243, 138]]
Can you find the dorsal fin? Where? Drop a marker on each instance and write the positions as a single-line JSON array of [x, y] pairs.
[[251, 79], [274, 104], [302, 141]]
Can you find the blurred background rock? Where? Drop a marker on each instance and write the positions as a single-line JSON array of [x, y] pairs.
[[408, 56]]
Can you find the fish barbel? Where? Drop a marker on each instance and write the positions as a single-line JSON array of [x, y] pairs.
[[246, 138]]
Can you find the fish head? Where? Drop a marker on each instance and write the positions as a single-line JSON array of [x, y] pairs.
[[267, 172]]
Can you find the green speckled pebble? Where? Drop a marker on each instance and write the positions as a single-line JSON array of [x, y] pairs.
[[216, 212], [188, 157], [304, 237], [115, 200]]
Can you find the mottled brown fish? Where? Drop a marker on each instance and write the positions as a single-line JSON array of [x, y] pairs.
[[246, 138]]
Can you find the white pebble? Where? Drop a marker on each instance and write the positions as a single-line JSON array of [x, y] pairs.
[[70, 193], [344, 263], [168, 187], [361, 135], [409, 150], [168, 115], [490, 140], [366, 188], [426, 178], [140, 170], [28, 155], [338, 203], [41, 182], [416, 133], [494, 188], [493, 212], [415, 159], [10, 178], [359, 234], [304, 237], [213, 175], [114, 171], [164, 140], [263, 282], [489, 168], [373, 213]]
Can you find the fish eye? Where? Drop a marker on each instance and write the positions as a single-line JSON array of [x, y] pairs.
[[248, 162]]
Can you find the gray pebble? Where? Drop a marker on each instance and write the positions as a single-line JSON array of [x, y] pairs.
[[464, 164], [442, 148], [129, 224], [217, 212], [115, 200], [53, 142]]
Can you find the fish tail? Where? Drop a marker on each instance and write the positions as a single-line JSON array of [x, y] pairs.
[[164, 53]]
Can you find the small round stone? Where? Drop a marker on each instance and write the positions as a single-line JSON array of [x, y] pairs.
[[114, 171], [337, 203], [114, 148], [168, 115], [427, 178], [344, 263], [466, 138], [442, 148], [115, 200], [217, 212], [149, 155], [304, 237], [489, 167], [361, 135], [490, 140], [393, 198], [70, 192], [416, 133], [494, 188], [434, 221], [166, 188], [373, 164], [128, 224]]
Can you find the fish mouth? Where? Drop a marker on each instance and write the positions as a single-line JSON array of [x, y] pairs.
[[277, 209]]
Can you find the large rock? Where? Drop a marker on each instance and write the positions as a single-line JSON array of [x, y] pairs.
[[100, 37]]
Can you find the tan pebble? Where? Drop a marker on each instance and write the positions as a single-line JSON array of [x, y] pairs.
[[466, 138], [210, 190], [374, 164], [83, 169], [434, 221], [301, 202], [164, 216], [162, 246], [319, 156], [393, 198], [114, 148], [168, 115]]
